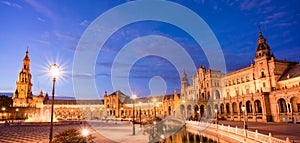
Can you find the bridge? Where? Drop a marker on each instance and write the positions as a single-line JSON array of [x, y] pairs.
[[232, 134]]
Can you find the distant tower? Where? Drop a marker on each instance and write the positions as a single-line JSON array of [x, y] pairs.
[[184, 84], [23, 95]]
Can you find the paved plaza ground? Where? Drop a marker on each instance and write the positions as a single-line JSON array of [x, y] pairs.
[[113, 132], [278, 130]]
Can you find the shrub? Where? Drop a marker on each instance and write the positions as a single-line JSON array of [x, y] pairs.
[[72, 136]]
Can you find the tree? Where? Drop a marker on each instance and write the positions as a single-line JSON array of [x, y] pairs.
[[72, 136], [5, 101]]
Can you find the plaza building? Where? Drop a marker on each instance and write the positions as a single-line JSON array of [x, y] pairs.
[[268, 89]]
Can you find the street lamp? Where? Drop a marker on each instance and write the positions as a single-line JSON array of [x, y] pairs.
[[198, 114], [184, 113], [133, 126], [216, 111], [85, 132], [122, 114], [154, 102], [107, 114], [17, 110], [140, 114], [55, 72], [243, 109], [245, 125], [3, 110]]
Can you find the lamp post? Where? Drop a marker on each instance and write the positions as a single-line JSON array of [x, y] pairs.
[[122, 114], [216, 111], [17, 110], [245, 125], [133, 126], [107, 114], [140, 114], [184, 113], [3, 110], [154, 102], [243, 109], [54, 71]]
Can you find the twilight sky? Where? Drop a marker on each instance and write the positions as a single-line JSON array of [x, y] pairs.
[[52, 29]]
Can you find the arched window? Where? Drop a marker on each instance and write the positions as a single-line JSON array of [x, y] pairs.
[[257, 106], [201, 110], [234, 108], [228, 109], [262, 74], [208, 110], [222, 108], [217, 94], [248, 107], [282, 105], [295, 104]]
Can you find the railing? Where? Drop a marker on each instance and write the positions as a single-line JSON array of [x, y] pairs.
[[235, 133]]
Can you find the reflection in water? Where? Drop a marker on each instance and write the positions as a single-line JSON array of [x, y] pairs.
[[183, 136]]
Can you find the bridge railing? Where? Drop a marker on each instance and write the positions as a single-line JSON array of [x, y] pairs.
[[235, 132]]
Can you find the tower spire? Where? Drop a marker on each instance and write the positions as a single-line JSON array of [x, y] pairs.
[[262, 49], [27, 52]]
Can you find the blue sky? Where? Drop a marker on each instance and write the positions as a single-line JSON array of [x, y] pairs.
[[52, 29]]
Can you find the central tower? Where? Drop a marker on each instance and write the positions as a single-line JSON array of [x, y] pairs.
[[23, 95]]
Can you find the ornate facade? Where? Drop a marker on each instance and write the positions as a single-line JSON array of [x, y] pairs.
[[268, 89]]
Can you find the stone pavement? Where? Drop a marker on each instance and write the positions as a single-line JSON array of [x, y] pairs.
[[120, 132], [113, 132], [278, 130], [102, 131]]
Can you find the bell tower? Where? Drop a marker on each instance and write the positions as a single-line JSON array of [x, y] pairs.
[[263, 60], [184, 84], [23, 95], [263, 49]]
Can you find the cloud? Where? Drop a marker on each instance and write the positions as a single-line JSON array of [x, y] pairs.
[[285, 24], [271, 18], [250, 4], [11, 4], [40, 8], [265, 10], [43, 41], [265, 22], [40, 19], [276, 15], [84, 23], [107, 64], [83, 75], [263, 2], [65, 36]]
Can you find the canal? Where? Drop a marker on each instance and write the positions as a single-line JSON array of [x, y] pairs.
[[185, 136]]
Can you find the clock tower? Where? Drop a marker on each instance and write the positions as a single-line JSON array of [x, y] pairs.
[[23, 95]]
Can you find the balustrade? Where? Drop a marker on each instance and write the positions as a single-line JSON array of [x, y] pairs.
[[235, 133]]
